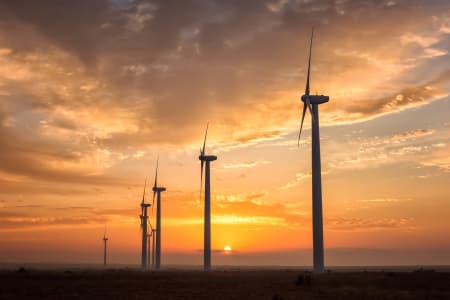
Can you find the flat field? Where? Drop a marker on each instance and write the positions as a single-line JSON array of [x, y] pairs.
[[222, 284]]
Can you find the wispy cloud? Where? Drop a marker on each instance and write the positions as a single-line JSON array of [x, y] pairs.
[[298, 177], [360, 224], [230, 220], [245, 165], [375, 151]]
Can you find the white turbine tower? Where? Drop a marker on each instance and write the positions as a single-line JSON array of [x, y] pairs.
[[144, 223], [105, 240], [157, 190], [311, 102], [207, 223]]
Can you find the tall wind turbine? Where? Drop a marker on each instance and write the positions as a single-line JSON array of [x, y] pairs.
[[157, 190], [207, 223], [105, 240], [144, 223], [311, 102]]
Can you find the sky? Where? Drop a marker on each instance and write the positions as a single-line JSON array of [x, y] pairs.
[[92, 92]]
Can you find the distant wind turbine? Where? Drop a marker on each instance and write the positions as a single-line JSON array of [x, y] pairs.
[[311, 102], [148, 248], [207, 223], [157, 190], [105, 240], [153, 247], [144, 223]]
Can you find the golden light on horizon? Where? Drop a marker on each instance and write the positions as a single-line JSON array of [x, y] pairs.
[[227, 249]]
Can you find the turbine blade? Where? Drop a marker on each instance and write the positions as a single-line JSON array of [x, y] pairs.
[[155, 184], [301, 124], [143, 194], [156, 174], [202, 153], [309, 63], [310, 108], [153, 201], [204, 141], [201, 178]]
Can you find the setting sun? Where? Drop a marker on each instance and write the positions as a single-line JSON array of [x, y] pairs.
[[227, 249]]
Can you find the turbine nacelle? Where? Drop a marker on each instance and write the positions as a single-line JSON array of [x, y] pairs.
[[158, 189], [207, 157], [315, 99]]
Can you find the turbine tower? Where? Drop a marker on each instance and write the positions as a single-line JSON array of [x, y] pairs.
[[105, 240], [207, 223], [311, 102], [157, 190], [144, 223]]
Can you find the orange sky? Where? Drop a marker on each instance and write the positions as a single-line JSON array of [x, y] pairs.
[[89, 100]]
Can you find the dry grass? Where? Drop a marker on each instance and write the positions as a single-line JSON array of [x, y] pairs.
[[255, 284]]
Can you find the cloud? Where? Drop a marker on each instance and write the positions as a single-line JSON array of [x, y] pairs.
[[245, 165], [375, 151], [401, 100], [231, 220], [380, 200], [255, 196], [18, 222], [125, 77], [439, 158], [82, 20], [412, 134], [298, 177], [360, 224]]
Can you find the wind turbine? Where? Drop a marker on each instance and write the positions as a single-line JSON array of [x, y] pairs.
[[207, 223], [144, 222], [148, 247], [105, 240], [311, 102], [157, 192], [153, 247]]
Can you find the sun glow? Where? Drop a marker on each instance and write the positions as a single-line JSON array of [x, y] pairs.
[[227, 249]]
